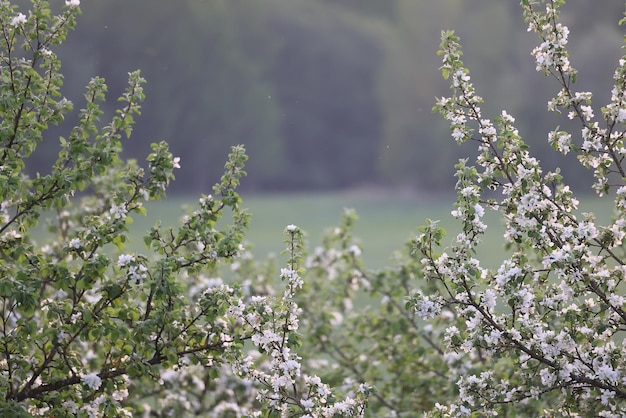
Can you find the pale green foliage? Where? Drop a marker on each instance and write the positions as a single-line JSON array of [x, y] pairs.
[[541, 335], [89, 329], [68, 309]]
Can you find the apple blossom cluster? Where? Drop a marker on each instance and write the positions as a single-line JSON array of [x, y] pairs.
[[286, 389], [362, 330], [551, 314], [18, 20], [551, 53], [188, 390], [602, 147]]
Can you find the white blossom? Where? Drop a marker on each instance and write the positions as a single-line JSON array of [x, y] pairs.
[[118, 212], [91, 380], [125, 259], [426, 308], [587, 112], [608, 373], [489, 299], [354, 250], [18, 20]]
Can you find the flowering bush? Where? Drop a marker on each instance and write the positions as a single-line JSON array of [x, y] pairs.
[[547, 323], [540, 335], [89, 328]]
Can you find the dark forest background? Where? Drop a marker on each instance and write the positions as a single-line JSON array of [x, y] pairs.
[[325, 94]]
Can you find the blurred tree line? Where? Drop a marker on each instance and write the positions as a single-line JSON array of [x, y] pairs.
[[325, 94]]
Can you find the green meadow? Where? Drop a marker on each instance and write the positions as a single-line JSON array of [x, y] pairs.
[[385, 222]]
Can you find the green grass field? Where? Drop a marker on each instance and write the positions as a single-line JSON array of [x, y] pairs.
[[385, 222]]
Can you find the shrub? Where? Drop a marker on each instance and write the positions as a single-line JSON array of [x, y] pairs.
[[88, 328]]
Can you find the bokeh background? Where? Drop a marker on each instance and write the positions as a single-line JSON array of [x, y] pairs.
[[325, 94]]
